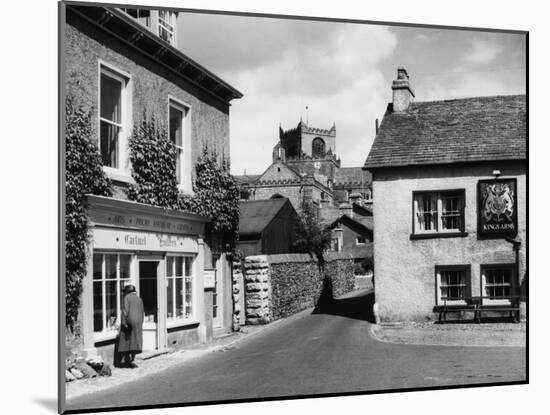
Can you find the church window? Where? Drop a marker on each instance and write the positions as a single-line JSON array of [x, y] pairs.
[[318, 147]]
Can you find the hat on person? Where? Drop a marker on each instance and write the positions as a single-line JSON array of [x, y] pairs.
[[129, 288]]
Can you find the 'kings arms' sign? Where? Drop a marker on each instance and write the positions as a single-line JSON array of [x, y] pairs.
[[497, 208]]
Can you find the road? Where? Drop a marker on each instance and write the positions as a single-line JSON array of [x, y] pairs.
[[328, 351]]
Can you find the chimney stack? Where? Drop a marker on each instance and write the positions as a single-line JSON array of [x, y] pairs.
[[403, 93]]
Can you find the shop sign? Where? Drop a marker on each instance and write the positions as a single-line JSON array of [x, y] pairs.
[[209, 277], [104, 238], [497, 208]]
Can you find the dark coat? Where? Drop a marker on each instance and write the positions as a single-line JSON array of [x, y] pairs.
[[131, 325]]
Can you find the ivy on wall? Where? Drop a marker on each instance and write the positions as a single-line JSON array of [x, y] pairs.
[[216, 193], [83, 175], [216, 196], [152, 156]]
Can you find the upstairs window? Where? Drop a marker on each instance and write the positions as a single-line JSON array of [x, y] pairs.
[[111, 116], [177, 115], [166, 24], [318, 147], [143, 16], [438, 212]]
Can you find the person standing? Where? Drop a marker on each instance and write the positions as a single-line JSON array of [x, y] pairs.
[[130, 340]]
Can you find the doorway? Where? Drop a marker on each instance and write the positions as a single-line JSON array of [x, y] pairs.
[[149, 271]]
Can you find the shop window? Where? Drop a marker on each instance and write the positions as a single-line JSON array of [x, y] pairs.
[[497, 283], [110, 273], [166, 25], [112, 117], [179, 287], [438, 212], [177, 116], [453, 284]]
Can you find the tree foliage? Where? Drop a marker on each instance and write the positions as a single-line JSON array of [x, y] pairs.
[[311, 236], [152, 156], [83, 175]]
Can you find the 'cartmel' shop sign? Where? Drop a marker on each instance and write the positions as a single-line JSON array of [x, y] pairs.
[[497, 208]]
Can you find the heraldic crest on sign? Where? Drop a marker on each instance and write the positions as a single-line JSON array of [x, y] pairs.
[[497, 207], [498, 203]]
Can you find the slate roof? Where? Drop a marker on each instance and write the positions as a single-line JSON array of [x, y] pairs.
[[351, 175], [255, 215], [451, 131]]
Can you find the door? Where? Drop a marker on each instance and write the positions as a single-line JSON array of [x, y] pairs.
[[149, 283]]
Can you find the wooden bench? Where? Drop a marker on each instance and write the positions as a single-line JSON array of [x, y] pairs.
[[476, 305], [511, 306], [450, 305]]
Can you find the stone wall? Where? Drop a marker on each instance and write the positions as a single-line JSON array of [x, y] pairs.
[[278, 286], [296, 284], [257, 289]]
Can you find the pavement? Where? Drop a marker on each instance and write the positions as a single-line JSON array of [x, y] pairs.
[[333, 349]]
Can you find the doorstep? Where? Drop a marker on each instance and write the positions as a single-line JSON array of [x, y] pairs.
[[149, 354]]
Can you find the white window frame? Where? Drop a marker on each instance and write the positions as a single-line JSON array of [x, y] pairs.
[[180, 321], [438, 196], [485, 285], [439, 269], [105, 333], [168, 26], [357, 242], [147, 22], [185, 184], [122, 172]]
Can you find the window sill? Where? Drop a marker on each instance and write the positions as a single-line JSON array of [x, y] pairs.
[[185, 191], [118, 175], [181, 323], [438, 235]]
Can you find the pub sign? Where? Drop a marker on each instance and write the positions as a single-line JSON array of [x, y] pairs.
[[497, 208]]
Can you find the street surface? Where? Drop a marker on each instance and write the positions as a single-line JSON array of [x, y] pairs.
[[329, 351]]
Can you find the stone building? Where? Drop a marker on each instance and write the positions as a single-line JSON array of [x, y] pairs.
[[305, 167], [121, 64], [450, 209]]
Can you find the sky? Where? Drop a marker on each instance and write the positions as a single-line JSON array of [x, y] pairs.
[[342, 72]]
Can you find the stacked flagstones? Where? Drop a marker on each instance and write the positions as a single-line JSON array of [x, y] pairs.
[[237, 279], [257, 289]]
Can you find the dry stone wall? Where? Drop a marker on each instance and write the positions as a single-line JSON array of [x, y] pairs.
[[278, 286]]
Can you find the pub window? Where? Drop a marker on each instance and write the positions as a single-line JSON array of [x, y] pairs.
[[177, 116], [453, 284], [497, 283], [111, 117], [179, 287], [110, 273], [438, 212]]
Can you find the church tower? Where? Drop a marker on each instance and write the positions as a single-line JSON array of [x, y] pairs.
[[308, 142]]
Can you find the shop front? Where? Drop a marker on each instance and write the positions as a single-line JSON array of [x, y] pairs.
[[161, 252]]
